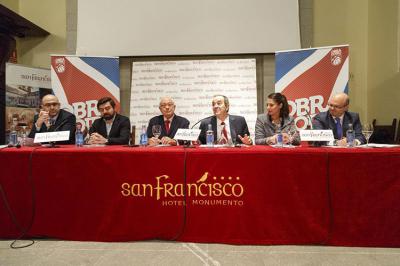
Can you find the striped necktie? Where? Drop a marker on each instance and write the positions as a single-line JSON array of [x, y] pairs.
[[224, 133]]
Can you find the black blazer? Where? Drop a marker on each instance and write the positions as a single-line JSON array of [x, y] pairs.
[[66, 121], [237, 124], [177, 122], [120, 130], [324, 120]]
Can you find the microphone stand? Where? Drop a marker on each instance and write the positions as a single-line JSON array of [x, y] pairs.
[[52, 144], [188, 143]]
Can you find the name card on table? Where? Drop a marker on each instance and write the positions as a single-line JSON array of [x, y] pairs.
[[51, 136], [316, 135], [187, 134]]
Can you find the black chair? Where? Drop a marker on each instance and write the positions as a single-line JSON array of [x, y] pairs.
[[384, 133], [398, 133]]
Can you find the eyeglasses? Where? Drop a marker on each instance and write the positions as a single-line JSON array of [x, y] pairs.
[[336, 106], [50, 104], [166, 105]]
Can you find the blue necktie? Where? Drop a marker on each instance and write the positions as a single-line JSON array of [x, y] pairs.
[[338, 128]]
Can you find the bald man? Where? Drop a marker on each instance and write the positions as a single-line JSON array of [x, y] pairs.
[[51, 118], [169, 122], [338, 113]]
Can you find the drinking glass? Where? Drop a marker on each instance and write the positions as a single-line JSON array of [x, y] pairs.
[[156, 129], [23, 125], [367, 130], [291, 133]]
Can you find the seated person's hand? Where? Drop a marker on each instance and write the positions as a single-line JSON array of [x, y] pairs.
[[167, 140], [153, 141], [43, 118], [96, 138], [246, 139], [342, 142], [271, 140], [285, 138]]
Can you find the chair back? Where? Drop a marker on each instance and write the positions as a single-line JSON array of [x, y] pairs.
[[384, 133]]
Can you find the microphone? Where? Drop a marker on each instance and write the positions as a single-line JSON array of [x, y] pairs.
[[60, 125], [187, 144], [309, 119], [52, 144], [201, 120], [16, 146]]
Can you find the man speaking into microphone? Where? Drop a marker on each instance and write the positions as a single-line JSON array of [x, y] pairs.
[[51, 118], [228, 129]]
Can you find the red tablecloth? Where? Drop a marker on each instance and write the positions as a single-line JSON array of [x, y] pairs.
[[284, 199], [256, 195], [365, 192], [79, 193]]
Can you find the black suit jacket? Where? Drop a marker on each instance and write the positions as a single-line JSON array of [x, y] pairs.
[[120, 130], [177, 122], [324, 120], [237, 125], [66, 121]]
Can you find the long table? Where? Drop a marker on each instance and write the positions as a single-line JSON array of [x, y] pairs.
[[248, 195]]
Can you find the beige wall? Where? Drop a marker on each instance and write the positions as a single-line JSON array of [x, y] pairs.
[[10, 4], [49, 15], [370, 28], [346, 22], [383, 70]]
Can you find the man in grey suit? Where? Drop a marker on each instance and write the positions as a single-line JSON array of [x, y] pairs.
[[338, 119], [227, 128]]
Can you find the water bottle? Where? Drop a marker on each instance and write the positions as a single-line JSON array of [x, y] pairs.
[[210, 136], [350, 136], [13, 136], [279, 138], [78, 136], [143, 136]]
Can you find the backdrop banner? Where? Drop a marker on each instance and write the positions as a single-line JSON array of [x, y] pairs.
[[79, 81], [192, 84], [25, 86], [308, 78]]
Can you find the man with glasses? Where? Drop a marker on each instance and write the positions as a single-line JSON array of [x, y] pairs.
[[51, 118], [169, 122], [111, 128], [338, 119]]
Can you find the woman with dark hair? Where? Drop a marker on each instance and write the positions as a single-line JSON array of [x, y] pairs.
[[276, 119]]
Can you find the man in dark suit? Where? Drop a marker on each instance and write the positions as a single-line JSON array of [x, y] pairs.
[[338, 119], [51, 118], [169, 122], [111, 128], [227, 128]]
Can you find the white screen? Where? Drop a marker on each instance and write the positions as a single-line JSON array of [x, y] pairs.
[[186, 27]]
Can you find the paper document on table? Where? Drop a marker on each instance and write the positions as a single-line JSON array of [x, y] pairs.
[[379, 145]]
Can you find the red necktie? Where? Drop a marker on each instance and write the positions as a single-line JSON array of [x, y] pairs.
[[167, 126], [224, 133]]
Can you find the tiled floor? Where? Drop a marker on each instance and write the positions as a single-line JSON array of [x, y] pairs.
[[54, 252]]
